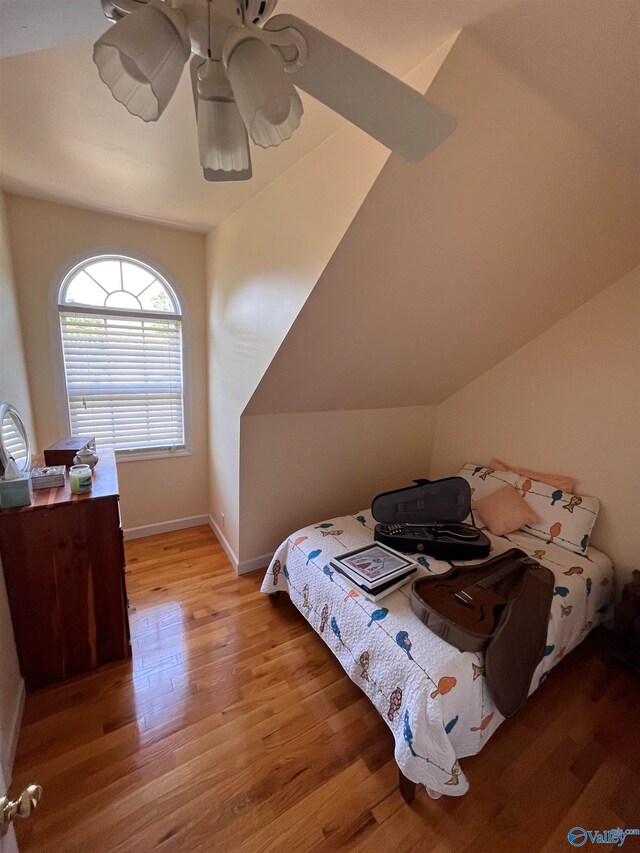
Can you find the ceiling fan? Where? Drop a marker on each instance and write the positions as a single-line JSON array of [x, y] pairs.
[[244, 72]]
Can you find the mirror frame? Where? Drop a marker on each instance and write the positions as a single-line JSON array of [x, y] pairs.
[[8, 409]]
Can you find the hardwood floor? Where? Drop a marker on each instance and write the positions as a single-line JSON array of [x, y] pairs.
[[234, 729]]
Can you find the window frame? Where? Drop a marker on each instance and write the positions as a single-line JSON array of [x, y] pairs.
[[58, 287]]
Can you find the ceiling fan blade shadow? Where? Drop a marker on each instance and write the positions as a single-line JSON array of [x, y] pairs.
[[383, 106]]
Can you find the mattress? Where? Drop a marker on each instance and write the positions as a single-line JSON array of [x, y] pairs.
[[433, 697]]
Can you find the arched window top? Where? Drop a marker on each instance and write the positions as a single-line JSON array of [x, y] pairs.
[[118, 283], [121, 337]]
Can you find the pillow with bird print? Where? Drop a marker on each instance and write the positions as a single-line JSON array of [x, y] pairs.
[[565, 519], [485, 480]]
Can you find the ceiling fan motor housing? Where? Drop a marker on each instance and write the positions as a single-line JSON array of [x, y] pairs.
[[210, 21], [257, 11]]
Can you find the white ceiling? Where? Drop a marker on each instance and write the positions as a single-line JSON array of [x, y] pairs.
[[63, 136]]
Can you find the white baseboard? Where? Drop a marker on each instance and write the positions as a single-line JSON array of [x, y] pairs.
[[242, 568], [246, 566], [253, 565], [222, 539], [165, 526], [13, 734]]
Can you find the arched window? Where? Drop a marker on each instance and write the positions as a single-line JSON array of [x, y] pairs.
[[121, 329]]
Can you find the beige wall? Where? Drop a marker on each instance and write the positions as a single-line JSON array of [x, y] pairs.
[[297, 469], [568, 401], [14, 388], [14, 383], [263, 263], [45, 238]]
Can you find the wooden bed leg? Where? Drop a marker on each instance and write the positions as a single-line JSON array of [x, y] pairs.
[[274, 595], [407, 787]]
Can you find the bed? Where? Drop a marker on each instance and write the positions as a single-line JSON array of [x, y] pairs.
[[432, 696]]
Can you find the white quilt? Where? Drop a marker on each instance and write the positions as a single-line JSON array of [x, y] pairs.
[[432, 696]]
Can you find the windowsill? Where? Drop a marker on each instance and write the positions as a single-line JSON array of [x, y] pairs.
[[142, 455]]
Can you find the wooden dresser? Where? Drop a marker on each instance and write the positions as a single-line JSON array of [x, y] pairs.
[[63, 562]]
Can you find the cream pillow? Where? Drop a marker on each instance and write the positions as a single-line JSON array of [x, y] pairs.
[[504, 511]]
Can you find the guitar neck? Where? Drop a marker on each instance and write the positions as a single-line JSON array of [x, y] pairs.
[[490, 580]]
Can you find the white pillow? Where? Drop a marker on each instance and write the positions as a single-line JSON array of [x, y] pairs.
[[485, 481], [564, 519], [576, 514]]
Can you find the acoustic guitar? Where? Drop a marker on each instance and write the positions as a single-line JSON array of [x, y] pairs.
[[466, 597]]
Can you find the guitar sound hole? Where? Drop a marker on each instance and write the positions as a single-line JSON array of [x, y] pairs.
[[483, 615]]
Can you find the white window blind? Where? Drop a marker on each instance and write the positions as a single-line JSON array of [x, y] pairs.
[[121, 332], [124, 379]]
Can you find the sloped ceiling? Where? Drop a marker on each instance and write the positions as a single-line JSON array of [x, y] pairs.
[[451, 265], [583, 56], [64, 137]]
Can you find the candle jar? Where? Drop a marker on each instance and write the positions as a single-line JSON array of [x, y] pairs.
[[80, 479]]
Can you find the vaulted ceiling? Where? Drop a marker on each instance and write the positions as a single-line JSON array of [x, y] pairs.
[[524, 213], [64, 137]]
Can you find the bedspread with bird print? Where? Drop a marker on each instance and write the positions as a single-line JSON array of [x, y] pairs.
[[433, 697]]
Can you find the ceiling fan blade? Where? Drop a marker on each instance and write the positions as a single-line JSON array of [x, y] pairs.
[[29, 25], [366, 95]]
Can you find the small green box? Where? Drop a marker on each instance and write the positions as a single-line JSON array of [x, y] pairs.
[[15, 492]]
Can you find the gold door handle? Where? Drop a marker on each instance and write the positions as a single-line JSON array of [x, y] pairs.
[[22, 807]]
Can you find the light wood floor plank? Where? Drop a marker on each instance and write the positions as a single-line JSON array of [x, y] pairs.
[[234, 729]]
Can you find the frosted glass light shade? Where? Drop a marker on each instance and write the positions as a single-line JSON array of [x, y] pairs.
[[222, 138], [141, 59], [268, 102]]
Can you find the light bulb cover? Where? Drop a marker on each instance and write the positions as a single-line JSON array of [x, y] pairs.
[[222, 137], [141, 58], [268, 102]]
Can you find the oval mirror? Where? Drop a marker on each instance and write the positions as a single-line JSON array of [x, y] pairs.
[[14, 439]]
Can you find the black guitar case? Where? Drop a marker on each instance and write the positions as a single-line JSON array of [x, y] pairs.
[[428, 518]]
